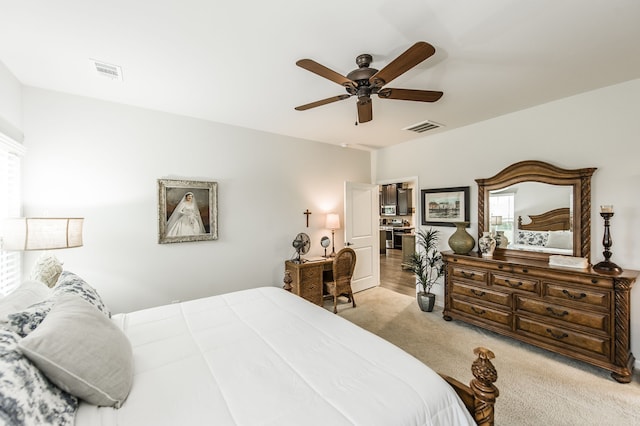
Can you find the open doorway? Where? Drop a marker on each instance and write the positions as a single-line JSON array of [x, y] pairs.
[[398, 221]]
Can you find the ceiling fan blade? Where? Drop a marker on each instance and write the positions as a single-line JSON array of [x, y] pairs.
[[410, 95], [403, 63], [322, 71], [322, 102], [365, 110]]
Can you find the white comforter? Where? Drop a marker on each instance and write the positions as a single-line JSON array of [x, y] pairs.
[[267, 357]]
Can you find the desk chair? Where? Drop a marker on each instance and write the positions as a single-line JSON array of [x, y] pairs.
[[343, 266]]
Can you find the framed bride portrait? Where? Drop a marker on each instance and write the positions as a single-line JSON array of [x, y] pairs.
[[187, 211]]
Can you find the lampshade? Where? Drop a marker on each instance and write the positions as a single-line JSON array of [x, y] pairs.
[[28, 233], [333, 221]]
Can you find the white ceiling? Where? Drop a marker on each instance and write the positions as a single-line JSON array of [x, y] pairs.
[[234, 61]]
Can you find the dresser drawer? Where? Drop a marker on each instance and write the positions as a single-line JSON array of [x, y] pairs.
[[590, 280], [469, 274], [481, 293], [307, 281], [486, 314], [515, 283], [561, 335], [586, 296], [595, 320]]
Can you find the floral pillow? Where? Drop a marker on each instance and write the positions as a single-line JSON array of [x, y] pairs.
[[27, 397], [532, 238], [70, 283], [25, 321]]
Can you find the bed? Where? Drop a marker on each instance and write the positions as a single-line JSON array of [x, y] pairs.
[[260, 356], [548, 232]]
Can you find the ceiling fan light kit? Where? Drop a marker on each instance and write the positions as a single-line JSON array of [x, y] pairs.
[[365, 81]]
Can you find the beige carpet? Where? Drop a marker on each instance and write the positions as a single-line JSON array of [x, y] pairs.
[[536, 387]]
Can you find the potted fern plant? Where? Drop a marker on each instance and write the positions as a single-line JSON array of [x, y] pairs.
[[428, 266]]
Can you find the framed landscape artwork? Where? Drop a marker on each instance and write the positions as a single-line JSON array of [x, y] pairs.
[[445, 206], [187, 211]]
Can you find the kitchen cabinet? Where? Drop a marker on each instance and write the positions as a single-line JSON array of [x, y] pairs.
[[404, 201], [390, 195], [408, 250]]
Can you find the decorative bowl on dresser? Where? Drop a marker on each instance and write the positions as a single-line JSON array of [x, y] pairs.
[[577, 312]]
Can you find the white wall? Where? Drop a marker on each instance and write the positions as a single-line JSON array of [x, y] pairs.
[[595, 129], [10, 104], [102, 160]]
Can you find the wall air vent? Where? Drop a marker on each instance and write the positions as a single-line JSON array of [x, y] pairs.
[[423, 126], [114, 72]]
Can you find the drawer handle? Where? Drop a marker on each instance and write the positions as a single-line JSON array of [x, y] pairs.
[[557, 314], [525, 270], [594, 281], [478, 293], [573, 296], [556, 335], [500, 266], [467, 274], [478, 311], [510, 284]]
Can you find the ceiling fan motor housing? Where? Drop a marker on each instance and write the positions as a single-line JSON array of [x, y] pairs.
[[361, 77]]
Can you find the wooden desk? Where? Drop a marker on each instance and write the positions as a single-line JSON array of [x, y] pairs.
[[308, 278]]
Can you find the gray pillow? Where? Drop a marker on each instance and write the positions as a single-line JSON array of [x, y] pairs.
[[26, 320], [28, 293], [82, 351], [72, 283]]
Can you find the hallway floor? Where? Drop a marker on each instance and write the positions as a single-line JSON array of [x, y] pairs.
[[393, 277]]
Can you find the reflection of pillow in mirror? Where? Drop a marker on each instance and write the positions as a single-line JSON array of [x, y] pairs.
[[560, 239], [532, 238]]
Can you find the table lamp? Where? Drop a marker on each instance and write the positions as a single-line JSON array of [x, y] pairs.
[[333, 223], [496, 221], [27, 234]]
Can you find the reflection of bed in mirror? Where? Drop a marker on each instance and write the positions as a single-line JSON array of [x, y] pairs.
[[548, 232]]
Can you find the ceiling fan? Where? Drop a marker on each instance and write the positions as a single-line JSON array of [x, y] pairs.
[[364, 81]]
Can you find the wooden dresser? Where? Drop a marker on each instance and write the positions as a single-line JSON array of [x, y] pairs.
[[579, 313]]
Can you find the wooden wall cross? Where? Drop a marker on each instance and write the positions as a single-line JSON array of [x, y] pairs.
[[307, 213]]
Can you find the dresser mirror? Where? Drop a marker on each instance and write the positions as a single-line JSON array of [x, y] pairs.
[[541, 208]]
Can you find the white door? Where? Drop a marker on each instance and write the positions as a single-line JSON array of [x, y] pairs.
[[361, 232]]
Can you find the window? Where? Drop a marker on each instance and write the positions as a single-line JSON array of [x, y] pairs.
[[10, 206], [502, 205]]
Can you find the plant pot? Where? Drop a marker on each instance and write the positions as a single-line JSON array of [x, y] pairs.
[[426, 301]]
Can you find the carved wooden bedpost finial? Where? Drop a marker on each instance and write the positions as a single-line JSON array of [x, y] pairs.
[[287, 280], [483, 388]]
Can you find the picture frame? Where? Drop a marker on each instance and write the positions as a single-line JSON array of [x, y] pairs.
[[186, 218], [445, 206]]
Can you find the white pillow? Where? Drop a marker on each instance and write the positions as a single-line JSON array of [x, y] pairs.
[[560, 239], [47, 269], [27, 294], [83, 352]]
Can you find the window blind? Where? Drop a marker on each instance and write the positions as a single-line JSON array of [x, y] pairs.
[[11, 154]]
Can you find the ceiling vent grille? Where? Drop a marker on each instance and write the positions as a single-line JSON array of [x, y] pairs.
[[114, 72], [423, 126]]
